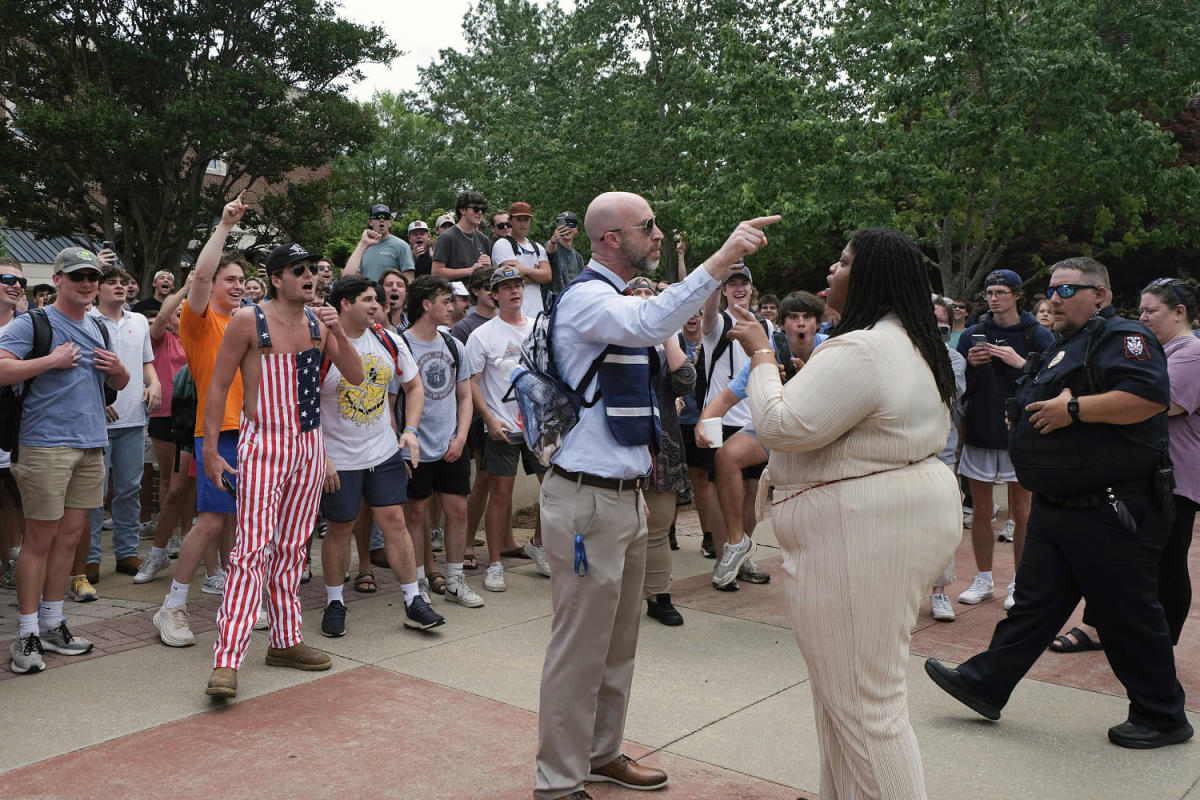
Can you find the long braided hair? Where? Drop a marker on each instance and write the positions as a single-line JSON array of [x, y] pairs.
[[888, 275]]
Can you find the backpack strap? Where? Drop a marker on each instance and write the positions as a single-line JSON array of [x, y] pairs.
[[722, 345], [43, 334], [389, 344], [450, 340]]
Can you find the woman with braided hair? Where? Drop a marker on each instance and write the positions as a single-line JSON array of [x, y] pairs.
[[865, 512]]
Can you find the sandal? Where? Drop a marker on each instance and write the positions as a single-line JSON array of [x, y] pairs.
[[437, 583], [1081, 644], [469, 561], [364, 582]]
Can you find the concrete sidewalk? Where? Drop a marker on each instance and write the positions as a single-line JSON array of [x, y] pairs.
[[721, 703]]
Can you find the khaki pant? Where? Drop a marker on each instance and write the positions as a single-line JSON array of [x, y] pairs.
[[593, 640], [658, 546]]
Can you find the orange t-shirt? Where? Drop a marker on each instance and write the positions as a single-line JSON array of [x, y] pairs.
[[201, 335]]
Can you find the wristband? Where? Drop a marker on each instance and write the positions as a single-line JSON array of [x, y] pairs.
[[410, 428], [766, 350]]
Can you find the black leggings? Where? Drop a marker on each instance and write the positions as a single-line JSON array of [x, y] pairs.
[[1174, 582]]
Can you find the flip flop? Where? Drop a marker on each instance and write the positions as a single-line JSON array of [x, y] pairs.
[[1082, 643]]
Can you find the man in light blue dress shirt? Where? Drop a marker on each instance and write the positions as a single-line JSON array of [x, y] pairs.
[[593, 516]]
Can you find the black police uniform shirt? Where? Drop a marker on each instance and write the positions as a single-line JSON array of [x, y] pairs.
[[1088, 456]]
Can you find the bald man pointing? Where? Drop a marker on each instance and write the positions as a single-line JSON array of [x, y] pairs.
[[593, 517]]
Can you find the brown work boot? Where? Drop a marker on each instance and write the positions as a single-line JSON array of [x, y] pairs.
[[92, 571], [129, 565], [298, 656], [624, 771], [223, 683]]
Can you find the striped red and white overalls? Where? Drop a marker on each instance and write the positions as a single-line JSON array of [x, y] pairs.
[[281, 467]]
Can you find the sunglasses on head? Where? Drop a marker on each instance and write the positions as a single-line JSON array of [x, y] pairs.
[[13, 280], [381, 216], [1160, 282], [646, 227], [502, 225], [1065, 290], [80, 276]]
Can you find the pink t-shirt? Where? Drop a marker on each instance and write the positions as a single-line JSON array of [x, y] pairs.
[[169, 358], [1183, 367]]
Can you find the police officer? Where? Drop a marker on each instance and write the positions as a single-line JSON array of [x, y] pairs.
[[1089, 439]]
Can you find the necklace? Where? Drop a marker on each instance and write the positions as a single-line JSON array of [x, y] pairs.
[[282, 318]]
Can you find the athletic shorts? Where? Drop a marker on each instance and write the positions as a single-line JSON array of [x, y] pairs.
[[476, 436], [160, 429], [500, 458], [748, 473], [381, 486], [215, 499], [447, 477], [695, 455], [982, 464]]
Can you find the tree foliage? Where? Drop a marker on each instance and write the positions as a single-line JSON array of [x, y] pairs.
[[119, 107]]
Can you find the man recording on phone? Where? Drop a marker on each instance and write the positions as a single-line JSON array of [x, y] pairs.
[[565, 262]]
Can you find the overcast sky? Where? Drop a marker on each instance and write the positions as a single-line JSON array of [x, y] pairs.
[[420, 30]]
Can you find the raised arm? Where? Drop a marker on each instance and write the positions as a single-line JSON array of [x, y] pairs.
[[158, 326], [210, 256], [353, 266]]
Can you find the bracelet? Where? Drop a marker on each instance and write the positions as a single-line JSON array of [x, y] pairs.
[[766, 350], [408, 429]]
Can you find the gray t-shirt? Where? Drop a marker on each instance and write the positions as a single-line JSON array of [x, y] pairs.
[[65, 407], [392, 253], [565, 266], [439, 419], [458, 250]]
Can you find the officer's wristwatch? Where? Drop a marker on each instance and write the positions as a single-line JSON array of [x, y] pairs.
[[1073, 408]]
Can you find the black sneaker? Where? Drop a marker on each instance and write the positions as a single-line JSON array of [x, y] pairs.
[[333, 623], [660, 608], [706, 546], [671, 540], [420, 616]]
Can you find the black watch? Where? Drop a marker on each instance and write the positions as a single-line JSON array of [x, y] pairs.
[[1073, 409]]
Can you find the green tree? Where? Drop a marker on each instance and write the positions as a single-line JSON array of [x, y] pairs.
[[119, 107]]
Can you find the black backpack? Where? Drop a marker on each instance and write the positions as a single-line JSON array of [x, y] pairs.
[[703, 376], [12, 398]]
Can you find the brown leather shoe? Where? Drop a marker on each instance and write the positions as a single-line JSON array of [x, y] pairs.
[[223, 683], [92, 571], [298, 656], [624, 771], [128, 565]]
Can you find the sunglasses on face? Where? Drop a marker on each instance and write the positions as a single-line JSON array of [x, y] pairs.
[[478, 209], [13, 280], [960, 306], [502, 226], [80, 277], [1065, 290], [324, 268], [381, 216], [302, 267], [646, 227]]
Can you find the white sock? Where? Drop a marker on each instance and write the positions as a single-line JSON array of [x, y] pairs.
[[178, 595], [411, 590], [158, 553], [987, 576], [420, 573], [499, 564], [28, 623], [50, 614], [454, 571], [333, 593], [13, 552]]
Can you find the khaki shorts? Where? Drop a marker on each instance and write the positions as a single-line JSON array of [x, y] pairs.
[[53, 478]]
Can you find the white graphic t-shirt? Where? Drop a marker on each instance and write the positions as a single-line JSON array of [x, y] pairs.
[[355, 419], [493, 342], [439, 417]]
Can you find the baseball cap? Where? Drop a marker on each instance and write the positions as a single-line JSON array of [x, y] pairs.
[[286, 254], [501, 275], [459, 289], [520, 210], [73, 259], [443, 219], [380, 208], [1003, 277], [641, 282], [419, 225], [570, 216], [742, 270]]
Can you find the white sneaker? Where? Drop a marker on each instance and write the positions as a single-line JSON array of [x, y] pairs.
[[215, 583], [261, 622], [150, 567], [968, 517], [537, 554], [423, 588], [459, 591], [726, 571], [172, 624], [107, 524], [494, 582], [1007, 532], [146, 529], [437, 539], [942, 610], [173, 545], [1011, 600], [981, 589]]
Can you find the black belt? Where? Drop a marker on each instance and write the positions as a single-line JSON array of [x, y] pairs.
[[588, 479], [1095, 498]]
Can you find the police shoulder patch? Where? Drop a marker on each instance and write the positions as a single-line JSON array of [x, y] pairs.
[[1135, 347]]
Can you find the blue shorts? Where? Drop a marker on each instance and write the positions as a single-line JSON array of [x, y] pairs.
[[215, 499], [383, 485]]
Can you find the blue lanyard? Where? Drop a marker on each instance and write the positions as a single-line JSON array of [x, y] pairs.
[[581, 562]]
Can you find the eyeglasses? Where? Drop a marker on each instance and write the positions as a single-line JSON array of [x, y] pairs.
[[962, 306], [302, 267], [1160, 282], [478, 209], [381, 216], [997, 293], [324, 268], [1065, 290], [13, 280], [501, 226], [81, 276], [646, 227]]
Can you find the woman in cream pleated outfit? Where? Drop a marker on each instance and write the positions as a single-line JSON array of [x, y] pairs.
[[865, 512]]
